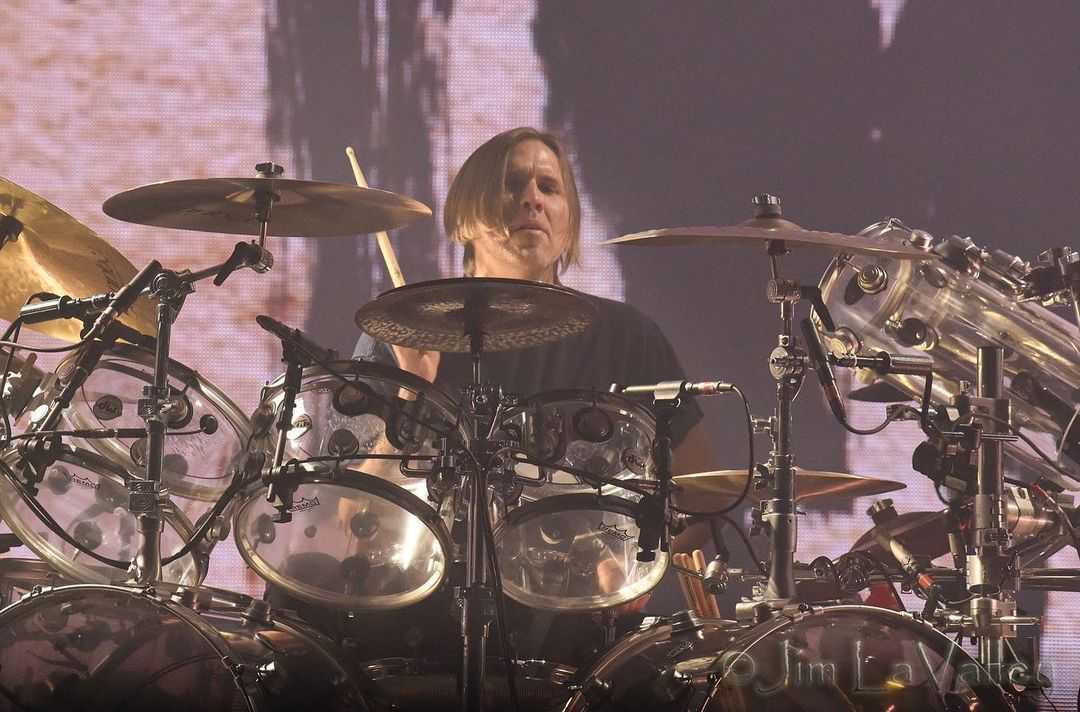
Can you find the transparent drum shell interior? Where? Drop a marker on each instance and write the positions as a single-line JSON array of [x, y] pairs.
[[87, 496], [951, 313], [366, 537], [195, 466], [83, 648], [563, 543], [355, 541], [833, 658]]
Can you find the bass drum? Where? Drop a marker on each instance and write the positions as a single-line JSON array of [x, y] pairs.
[[946, 309], [86, 496], [88, 648], [195, 466], [835, 658], [566, 543]]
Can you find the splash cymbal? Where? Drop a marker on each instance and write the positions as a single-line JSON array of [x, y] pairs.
[[301, 208], [509, 313], [46, 250], [702, 491]]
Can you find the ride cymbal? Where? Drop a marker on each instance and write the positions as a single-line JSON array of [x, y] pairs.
[[300, 208], [509, 313], [703, 491], [43, 249]]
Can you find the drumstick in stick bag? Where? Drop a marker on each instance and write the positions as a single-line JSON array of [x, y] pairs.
[[385, 246]]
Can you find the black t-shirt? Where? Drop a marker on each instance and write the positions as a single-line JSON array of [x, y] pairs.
[[621, 346]]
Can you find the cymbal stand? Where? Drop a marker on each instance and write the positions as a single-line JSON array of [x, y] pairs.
[[787, 366]]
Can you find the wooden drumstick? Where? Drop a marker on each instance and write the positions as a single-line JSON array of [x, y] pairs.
[[687, 562], [712, 608], [684, 583], [385, 246]]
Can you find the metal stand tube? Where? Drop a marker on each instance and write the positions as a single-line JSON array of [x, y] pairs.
[[779, 512]]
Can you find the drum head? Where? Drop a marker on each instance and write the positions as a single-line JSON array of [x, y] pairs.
[[88, 648], [195, 466], [85, 494], [574, 552], [355, 541], [833, 658]]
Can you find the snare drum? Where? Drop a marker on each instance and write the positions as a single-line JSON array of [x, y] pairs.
[[362, 535], [565, 543], [93, 647], [87, 496], [195, 466], [832, 658]]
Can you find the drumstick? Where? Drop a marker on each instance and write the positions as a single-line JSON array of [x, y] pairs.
[[684, 582], [695, 585], [686, 562], [712, 608], [385, 246]]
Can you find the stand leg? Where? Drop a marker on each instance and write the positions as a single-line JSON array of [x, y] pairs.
[[477, 613]]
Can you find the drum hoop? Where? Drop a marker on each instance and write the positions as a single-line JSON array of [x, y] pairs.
[[575, 502], [361, 482], [105, 467], [235, 417], [355, 367], [585, 396]]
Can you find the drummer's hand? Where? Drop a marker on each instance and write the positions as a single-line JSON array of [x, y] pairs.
[[422, 363]]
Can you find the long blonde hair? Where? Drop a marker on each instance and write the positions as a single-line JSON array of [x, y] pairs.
[[475, 200]]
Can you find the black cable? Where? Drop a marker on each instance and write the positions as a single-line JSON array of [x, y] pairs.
[[46, 518], [749, 468], [746, 542], [1052, 705], [883, 570], [11, 333]]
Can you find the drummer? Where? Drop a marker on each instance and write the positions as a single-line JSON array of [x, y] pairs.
[[514, 207]]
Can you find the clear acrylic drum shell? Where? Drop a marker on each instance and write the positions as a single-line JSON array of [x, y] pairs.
[[318, 423], [315, 556], [92, 647], [82, 471], [546, 537], [839, 657], [195, 466], [962, 313], [412, 685]]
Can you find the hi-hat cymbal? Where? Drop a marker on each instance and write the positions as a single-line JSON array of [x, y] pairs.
[[703, 491], [46, 250], [761, 231], [301, 208], [509, 313]]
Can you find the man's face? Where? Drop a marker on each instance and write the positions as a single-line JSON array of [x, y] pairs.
[[536, 214]]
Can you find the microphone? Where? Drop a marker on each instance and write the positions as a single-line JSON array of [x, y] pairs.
[[884, 363], [296, 338], [816, 353], [126, 297], [64, 308], [1060, 411], [669, 390], [907, 561]]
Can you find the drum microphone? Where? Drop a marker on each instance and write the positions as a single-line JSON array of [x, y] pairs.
[[884, 363], [816, 353], [126, 297], [64, 308], [670, 390], [297, 339]]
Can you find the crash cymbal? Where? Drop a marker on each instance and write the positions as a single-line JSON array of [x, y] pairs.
[[46, 250], [923, 533], [301, 208], [703, 491], [510, 313], [879, 392], [767, 226]]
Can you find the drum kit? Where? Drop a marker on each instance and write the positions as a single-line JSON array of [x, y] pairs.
[[360, 487]]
